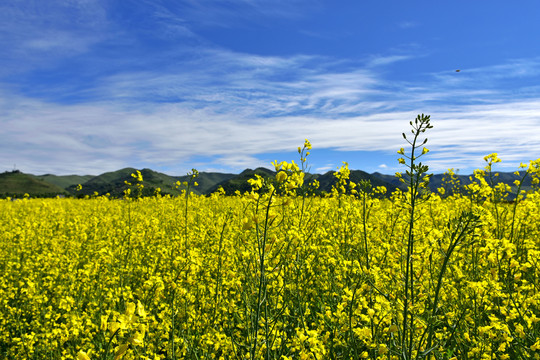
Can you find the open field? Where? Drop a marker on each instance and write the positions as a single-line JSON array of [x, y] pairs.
[[278, 272], [262, 275]]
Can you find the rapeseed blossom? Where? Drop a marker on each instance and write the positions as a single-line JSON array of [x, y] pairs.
[[103, 278]]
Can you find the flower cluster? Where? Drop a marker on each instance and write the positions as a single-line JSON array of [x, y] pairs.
[[274, 274]]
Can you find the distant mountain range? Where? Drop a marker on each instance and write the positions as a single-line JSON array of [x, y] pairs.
[[16, 183]]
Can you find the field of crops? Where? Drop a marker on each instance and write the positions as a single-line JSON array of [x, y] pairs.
[[276, 273]]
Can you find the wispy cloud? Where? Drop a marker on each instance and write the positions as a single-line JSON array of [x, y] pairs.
[[386, 60], [408, 24], [41, 32], [99, 137], [226, 10], [478, 77], [223, 109]]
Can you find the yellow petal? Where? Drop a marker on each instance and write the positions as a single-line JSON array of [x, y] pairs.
[[82, 356], [130, 308], [140, 309], [121, 351]]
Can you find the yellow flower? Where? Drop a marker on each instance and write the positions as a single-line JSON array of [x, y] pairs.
[[137, 339], [137, 176], [492, 158], [281, 176], [113, 327], [256, 183], [82, 356], [277, 165], [103, 324], [140, 309], [120, 351], [130, 308]]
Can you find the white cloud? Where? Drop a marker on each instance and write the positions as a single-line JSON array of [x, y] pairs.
[[218, 108], [408, 24], [324, 169], [48, 138], [38, 32], [226, 11], [386, 60]]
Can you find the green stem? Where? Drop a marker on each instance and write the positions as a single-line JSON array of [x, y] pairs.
[[454, 242], [261, 297], [406, 351]]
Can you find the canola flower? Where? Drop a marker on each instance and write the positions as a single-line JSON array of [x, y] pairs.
[[277, 272]]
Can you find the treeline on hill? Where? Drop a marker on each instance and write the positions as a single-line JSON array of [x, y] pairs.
[[16, 184]]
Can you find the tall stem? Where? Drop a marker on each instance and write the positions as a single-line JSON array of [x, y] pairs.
[[415, 173], [261, 297], [409, 264]]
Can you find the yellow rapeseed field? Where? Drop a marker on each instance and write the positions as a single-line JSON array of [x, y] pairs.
[[277, 273]]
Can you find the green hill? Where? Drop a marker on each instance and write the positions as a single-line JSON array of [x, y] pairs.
[[240, 182], [208, 181], [16, 184], [438, 180], [113, 183], [328, 180], [64, 181]]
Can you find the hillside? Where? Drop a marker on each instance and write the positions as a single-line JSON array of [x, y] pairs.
[[328, 180], [16, 184], [64, 181], [440, 180], [113, 183], [240, 182], [208, 181]]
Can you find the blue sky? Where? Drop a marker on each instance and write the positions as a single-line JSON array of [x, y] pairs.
[[88, 86]]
